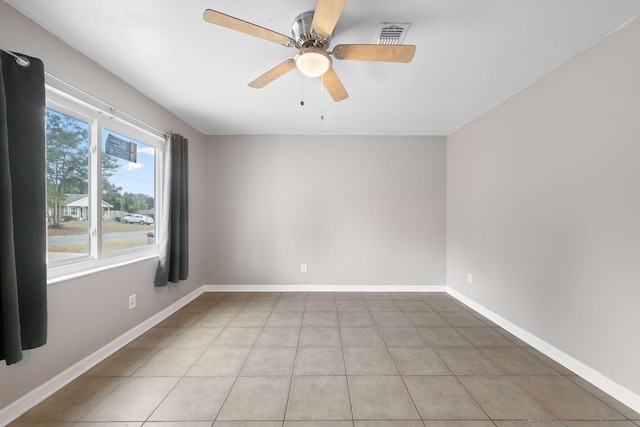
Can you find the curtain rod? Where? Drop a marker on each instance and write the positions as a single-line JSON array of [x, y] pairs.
[[24, 62], [111, 108], [20, 60]]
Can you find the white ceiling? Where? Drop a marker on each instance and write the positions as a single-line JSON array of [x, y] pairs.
[[471, 55]]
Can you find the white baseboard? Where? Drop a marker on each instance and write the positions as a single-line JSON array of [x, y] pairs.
[[40, 393], [617, 391], [324, 288]]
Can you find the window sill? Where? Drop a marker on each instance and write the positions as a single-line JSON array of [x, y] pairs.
[[62, 273]]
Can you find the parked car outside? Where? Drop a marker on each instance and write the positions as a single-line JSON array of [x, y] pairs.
[[137, 219]]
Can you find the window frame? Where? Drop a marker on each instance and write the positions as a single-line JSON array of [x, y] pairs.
[[101, 119]]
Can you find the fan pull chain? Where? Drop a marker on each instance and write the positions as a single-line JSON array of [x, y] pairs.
[[322, 97], [301, 90]]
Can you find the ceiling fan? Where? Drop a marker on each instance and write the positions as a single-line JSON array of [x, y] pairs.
[[311, 36]]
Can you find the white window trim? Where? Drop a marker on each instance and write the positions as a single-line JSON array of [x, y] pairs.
[[87, 111]]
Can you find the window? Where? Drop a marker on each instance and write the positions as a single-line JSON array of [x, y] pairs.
[[103, 197]]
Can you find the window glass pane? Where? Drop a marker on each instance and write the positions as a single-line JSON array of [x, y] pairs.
[[67, 186], [128, 193]]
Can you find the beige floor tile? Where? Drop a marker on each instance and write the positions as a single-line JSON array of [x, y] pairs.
[[462, 319], [352, 306], [155, 338], [531, 423], [600, 424], [321, 296], [355, 318], [369, 361], [214, 319], [265, 361], [319, 398], [381, 398], [320, 336], [390, 318], [485, 337], [198, 306], [122, 363], [266, 296], [319, 361], [361, 336], [503, 399], [320, 305], [179, 320], [413, 306], [443, 337], [444, 306], [195, 338], [284, 306], [567, 400], [252, 359], [516, 361], [279, 337], [73, 401], [237, 296], [194, 399], [618, 406], [467, 361], [549, 362], [169, 362], [256, 399], [320, 318], [285, 319], [237, 337], [418, 361], [247, 424], [174, 424], [382, 306], [459, 423], [134, 400], [220, 362], [387, 423], [229, 306], [294, 296], [349, 296], [443, 397], [255, 305], [402, 336], [249, 319], [318, 424], [51, 424], [420, 318]]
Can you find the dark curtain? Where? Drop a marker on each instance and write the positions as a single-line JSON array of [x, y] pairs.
[[23, 250], [173, 264]]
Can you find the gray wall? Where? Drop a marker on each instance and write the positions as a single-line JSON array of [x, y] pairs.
[[87, 313], [544, 208], [357, 210]]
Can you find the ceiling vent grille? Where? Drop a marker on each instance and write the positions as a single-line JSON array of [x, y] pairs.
[[391, 33]]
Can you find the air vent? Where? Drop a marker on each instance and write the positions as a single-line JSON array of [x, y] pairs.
[[391, 33]]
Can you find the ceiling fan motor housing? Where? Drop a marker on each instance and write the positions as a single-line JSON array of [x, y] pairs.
[[304, 37]]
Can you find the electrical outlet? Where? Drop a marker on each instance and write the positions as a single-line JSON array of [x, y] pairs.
[[132, 301], [303, 268], [469, 278]]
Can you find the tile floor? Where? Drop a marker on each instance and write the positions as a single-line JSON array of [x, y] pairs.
[[328, 360]]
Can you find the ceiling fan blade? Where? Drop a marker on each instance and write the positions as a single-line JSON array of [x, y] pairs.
[[236, 24], [272, 74], [326, 16], [375, 52], [334, 86]]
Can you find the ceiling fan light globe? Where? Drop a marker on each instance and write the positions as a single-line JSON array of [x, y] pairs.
[[313, 62]]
